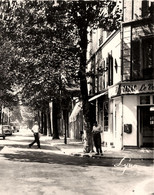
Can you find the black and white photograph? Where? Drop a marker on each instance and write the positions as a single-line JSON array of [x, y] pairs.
[[76, 97]]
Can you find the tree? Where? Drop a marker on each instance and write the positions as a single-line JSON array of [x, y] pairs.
[[83, 14], [50, 41], [7, 57], [44, 58]]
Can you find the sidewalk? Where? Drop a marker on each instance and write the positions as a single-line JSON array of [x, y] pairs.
[[75, 148]]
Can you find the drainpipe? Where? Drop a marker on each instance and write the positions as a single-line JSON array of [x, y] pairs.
[[122, 80], [121, 34], [122, 124]]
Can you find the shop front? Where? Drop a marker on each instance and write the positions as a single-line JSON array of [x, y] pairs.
[[102, 115], [132, 114]]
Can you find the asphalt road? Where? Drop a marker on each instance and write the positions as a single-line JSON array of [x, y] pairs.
[[47, 171]]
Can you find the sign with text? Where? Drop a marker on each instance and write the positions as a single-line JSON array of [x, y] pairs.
[[134, 88], [131, 88]]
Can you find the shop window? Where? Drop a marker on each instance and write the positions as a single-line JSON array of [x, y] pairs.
[[152, 118], [144, 99]]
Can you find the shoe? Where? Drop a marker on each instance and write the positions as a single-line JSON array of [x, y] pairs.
[[101, 154], [97, 154], [29, 146]]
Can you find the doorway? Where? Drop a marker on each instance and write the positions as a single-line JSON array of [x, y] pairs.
[[146, 126]]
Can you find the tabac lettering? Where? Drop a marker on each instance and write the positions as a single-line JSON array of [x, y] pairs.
[[143, 88], [150, 87], [137, 88], [129, 88]]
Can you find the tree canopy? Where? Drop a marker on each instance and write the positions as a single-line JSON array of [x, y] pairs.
[[45, 58], [47, 43]]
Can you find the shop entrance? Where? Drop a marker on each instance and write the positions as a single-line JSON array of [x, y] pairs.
[[146, 126]]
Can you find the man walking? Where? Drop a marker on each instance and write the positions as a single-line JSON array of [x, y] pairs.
[[35, 130]]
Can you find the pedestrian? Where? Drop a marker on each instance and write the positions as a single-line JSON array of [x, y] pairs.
[[97, 137], [35, 130]]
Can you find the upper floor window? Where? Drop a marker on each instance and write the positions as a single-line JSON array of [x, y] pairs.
[[143, 58], [147, 7]]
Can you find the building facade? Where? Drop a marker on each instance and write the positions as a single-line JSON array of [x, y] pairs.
[[123, 86]]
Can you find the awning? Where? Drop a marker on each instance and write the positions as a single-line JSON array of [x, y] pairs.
[[77, 108], [97, 96]]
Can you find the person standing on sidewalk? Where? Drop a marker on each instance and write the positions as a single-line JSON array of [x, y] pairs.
[[35, 130], [97, 138]]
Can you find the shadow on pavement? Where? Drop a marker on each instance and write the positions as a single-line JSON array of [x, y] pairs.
[[52, 158]]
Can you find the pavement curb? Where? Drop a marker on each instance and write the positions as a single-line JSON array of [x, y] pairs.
[[75, 149], [70, 152], [111, 157], [103, 157]]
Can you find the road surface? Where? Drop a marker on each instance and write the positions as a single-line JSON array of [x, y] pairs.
[[46, 171]]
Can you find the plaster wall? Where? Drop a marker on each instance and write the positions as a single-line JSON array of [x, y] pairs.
[[130, 117]]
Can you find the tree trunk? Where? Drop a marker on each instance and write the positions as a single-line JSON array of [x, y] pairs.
[[84, 90], [88, 139], [56, 120], [51, 116], [48, 124], [41, 123], [45, 123], [66, 125]]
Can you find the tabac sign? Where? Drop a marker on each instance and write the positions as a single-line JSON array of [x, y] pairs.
[[137, 87], [131, 88]]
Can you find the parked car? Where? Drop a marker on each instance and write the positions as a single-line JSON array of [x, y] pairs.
[[7, 129], [2, 134]]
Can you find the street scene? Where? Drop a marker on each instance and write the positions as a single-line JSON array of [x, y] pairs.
[[76, 97], [53, 170]]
